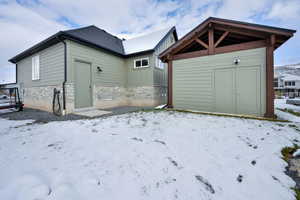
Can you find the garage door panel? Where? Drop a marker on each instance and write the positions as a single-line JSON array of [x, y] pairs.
[[192, 88], [248, 90], [224, 90], [214, 83]]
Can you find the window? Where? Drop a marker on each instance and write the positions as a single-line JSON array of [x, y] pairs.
[[140, 63], [275, 82], [293, 83], [159, 63], [35, 67], [289, 83]]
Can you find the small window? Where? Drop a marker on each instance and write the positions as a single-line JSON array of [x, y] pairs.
[[140, 63], [145, 62], [35, 67], [159, 63], [293, 83]]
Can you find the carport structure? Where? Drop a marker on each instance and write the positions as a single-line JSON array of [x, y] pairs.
[[224, 66]]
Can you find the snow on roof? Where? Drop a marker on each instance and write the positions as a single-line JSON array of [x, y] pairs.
[[145, 42], [290, 77], [290, 66]]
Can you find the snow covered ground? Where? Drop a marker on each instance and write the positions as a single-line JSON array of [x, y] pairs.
[[281, 103], [146, 155]]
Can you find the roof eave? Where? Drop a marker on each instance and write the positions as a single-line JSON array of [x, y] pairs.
[[39, 46], [54, 38], [139, 53], [256, 27], [271, 30]]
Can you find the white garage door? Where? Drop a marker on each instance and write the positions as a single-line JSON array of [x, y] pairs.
[[215, 84]]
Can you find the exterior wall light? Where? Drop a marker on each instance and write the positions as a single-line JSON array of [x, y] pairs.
[[236, 61], [99, 69]]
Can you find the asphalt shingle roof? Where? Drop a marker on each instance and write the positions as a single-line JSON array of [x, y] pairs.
[[99, 37]]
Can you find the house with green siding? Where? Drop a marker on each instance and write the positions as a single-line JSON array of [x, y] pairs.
[[94, 69]]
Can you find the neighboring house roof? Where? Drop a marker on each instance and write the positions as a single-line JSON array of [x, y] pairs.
[[97, 38], [145, 42], [290, 77]]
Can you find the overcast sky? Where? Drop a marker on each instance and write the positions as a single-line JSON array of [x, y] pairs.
[[26, 22]]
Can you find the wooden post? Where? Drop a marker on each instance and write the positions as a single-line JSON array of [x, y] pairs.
[[170, 83], [211, 44], [270, 77]]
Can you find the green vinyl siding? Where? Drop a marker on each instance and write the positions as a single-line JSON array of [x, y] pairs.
[[203, 83], [51, 68], [113, 68], [160, 76], [139, 76]]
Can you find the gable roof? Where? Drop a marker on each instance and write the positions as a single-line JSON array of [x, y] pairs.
[[245, 26], [98, 38], [145, 42]]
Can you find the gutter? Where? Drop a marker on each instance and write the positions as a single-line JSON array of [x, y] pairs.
[[65, 76]]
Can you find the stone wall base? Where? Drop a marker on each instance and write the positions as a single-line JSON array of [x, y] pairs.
[[39, 97], [103, 97]]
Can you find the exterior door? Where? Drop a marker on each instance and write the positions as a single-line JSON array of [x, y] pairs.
[[224, 90], [248, 90], [83, 89]]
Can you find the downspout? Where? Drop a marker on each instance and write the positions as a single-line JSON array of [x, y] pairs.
[[16, 73], [65, 76]]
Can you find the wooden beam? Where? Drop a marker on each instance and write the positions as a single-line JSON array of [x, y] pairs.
[[201, 43], [221, 38], [170, 84], [249, 33], [270, 77], [211, 47], [191, 54], [241, 46], [248, 26], [225, 49], [199, 30], [187, 41]]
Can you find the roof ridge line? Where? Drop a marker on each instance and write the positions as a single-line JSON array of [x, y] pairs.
[[75, 29], [169, 28]]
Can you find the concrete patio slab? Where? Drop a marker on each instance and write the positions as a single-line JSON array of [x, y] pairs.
[[92, 113]]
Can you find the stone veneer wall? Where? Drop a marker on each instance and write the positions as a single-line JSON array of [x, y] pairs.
[[103, 97], [141, 96], [70, 97], [42, 97], [160, 95], [106, 97], [39, 97]]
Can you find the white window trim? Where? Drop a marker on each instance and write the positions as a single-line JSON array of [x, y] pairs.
[[140, 59], [35, 67]]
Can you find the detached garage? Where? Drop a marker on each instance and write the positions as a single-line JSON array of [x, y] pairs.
[[224, 66]]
